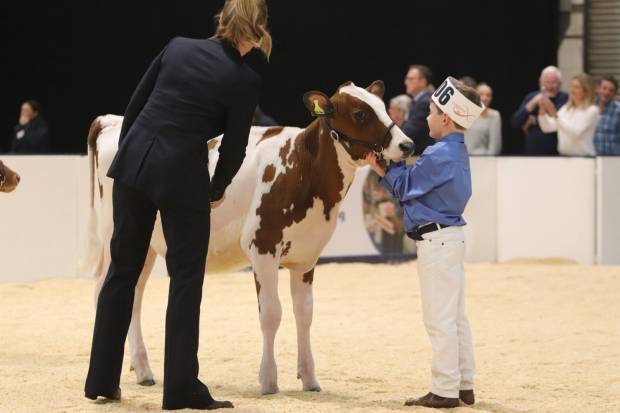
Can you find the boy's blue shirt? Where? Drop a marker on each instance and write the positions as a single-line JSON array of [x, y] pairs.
[[437, 187]]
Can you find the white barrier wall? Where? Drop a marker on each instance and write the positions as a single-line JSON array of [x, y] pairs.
[[521, 208], [545, 208], [43, 222], [481, 211], [608, 210], [39, 220]]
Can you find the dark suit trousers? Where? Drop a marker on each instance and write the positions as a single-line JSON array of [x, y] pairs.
[[186, 232]]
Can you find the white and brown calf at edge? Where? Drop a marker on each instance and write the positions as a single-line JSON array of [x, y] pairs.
[[280, 210], [9, 179]]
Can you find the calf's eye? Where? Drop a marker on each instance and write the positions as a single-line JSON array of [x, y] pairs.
[[360, 116]]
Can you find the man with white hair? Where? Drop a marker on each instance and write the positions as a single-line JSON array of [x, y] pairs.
[[536, 141], [399, 109]]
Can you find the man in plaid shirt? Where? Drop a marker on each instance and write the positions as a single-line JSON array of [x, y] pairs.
[[607, 133]]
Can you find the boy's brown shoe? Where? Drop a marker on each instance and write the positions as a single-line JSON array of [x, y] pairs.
[[467, 397], [434, 401]]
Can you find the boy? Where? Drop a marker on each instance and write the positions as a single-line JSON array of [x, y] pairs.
[[434, 192]]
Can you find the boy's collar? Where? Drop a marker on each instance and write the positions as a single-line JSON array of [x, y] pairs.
[[453, 137]]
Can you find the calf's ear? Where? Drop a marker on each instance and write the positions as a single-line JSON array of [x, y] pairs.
[[377, 88], [347, 83], [318, 103]]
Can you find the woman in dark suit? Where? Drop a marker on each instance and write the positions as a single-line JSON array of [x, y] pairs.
[[31, 134], [193, 91]]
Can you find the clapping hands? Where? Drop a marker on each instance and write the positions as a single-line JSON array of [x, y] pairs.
[[545, 106]]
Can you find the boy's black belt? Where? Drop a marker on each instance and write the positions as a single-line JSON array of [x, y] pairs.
[[420, 230]]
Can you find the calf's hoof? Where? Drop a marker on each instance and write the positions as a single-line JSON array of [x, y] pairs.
[[316, 388], [312, 385], [269, 389]]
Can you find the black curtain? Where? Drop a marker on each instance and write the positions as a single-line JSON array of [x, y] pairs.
[[83, 59]]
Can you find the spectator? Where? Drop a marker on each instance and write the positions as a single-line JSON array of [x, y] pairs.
[[468, 81], [575, 121], [607, 133], [538, 142], [31, 135], [417, 84], [399, 109], [484, 136]]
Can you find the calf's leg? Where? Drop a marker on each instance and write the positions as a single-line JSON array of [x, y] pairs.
[[301, 293], [270, 315], [137, 349]]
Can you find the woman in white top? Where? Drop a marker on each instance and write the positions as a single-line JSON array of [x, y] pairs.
[[484, 137], [575, 121]]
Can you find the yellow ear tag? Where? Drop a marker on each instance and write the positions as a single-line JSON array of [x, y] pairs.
[[318, 110]]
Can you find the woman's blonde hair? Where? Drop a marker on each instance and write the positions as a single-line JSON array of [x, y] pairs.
[[588, 87], [244, 20], [487, 109]]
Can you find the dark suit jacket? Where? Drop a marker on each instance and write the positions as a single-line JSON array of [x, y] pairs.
[[31, 138], [416, 126], [194, 90], [537, 142]]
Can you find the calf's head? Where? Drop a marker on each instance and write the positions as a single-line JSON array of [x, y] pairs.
[[358, 119], [8, 178]]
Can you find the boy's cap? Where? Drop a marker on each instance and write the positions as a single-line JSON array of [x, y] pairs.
[[454, 104]]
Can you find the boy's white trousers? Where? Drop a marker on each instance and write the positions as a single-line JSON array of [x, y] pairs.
[[442, 287]]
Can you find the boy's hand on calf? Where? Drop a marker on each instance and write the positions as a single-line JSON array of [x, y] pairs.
[[379, 166]]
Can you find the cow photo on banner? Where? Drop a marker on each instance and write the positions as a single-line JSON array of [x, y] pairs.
[[383, 218]]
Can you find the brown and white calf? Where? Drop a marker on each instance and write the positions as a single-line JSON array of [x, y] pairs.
[[9, 179], [280, 209]]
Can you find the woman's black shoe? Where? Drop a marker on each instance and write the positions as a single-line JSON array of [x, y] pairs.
[[199, 399], [198, 404], [113, 397]]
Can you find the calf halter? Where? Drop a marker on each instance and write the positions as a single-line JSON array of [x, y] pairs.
[[377, 148]]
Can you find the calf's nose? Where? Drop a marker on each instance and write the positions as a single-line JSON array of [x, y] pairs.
[[17, 177], [407, 147]]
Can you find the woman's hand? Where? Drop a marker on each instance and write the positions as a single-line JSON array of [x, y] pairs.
[[542, 109], [529, 106], [548, 107], [219, 202], [379, 166]]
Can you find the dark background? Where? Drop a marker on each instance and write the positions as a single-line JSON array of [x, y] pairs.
[[83, 59]]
